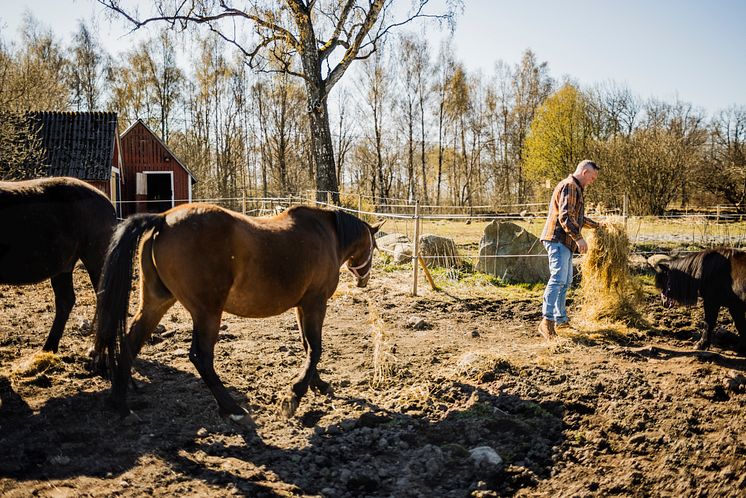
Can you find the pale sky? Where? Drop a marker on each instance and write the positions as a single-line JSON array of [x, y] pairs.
[[694, 50]]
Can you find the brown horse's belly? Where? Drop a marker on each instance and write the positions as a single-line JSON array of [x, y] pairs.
[[258, 305]]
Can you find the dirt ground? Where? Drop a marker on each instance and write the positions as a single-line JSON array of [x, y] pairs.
[[447, 394]]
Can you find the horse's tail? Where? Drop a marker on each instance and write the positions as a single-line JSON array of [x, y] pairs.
[[115, 285]]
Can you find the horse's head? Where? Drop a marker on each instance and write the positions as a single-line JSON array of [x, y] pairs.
[[361, 260], [662, 283]]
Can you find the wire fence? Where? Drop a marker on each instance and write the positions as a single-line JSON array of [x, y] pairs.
[[677, 232]]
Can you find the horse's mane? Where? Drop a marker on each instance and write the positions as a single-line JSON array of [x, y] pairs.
[[349, 229], [687, 274]]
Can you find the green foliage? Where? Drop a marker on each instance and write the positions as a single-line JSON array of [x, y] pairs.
[[559, 136]]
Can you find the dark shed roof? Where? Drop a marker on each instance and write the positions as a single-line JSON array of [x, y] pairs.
[[78, 144]]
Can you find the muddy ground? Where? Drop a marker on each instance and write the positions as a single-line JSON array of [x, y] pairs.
[[447, 394]]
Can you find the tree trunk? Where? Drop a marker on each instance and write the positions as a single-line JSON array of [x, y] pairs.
[[323, 154]]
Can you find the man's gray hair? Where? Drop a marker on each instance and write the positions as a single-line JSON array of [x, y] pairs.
[[587, 163]]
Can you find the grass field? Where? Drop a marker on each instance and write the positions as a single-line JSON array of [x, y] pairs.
[[646, 234]]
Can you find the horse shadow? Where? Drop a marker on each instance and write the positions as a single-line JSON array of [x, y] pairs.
[[372, 451], [383, 452], [714, 357]]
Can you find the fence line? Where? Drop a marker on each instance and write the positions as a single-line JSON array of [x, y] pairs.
[[706, 228]]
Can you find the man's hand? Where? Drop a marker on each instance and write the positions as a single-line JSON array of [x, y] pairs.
[[582, 246]]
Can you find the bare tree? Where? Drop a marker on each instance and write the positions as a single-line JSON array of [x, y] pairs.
[[376, 89], [87, 70], [314, 40], [724, 171], [21, 151], [531, 86]]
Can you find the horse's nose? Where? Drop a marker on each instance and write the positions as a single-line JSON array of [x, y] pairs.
[[363, 282]]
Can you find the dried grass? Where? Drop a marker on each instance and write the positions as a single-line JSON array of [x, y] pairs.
[[481, 366], [40, 363], [384, 360], [608, 292]]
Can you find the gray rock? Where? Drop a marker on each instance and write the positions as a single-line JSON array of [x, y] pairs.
[[439, 251], [402, 253], [484, 456], [656, 259], [387, 242], [512, 254]]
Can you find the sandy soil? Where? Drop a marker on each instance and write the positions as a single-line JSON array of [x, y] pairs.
[[447, 394]]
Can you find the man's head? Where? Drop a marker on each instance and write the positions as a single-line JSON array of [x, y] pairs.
[[586, 172]]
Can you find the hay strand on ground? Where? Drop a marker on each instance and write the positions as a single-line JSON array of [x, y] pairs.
[[39, 363], [608, 292], [384, 360]]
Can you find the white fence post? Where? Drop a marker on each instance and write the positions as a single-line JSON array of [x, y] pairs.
[[416, 248]]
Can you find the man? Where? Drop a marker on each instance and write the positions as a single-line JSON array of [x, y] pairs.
[[562, 238]]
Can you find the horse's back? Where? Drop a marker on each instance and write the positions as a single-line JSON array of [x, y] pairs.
[[256, 267], [46, 223], [738, 275]]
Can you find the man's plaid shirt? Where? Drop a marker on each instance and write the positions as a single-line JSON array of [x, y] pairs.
[[566, 214]]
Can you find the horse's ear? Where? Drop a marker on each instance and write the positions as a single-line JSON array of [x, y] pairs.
[[376, 226]]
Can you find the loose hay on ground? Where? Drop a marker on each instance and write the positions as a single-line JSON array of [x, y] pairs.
[[608, 292], [384, 360], [39, 363]]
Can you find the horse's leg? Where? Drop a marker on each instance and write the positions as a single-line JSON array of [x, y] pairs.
[[312, 318], [712, 309], [146, 319], [316, 383], [739, 319], [201, 354], [155, 300], [64, 300]]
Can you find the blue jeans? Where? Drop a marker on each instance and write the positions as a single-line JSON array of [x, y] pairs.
[[560, 278]]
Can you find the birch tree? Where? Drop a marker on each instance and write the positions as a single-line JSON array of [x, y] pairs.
[[315, 40]]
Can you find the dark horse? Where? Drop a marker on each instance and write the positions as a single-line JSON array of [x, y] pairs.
[[213, 260], [46, 226], [718, 276]]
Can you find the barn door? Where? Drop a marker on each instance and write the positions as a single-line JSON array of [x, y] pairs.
[[159, 191]]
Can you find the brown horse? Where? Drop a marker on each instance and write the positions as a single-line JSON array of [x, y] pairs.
[[46, 226], [213, 260]]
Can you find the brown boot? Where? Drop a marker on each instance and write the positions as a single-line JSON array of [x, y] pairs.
[[546, 329]]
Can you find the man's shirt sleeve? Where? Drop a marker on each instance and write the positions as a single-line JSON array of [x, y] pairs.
[[568, 200]]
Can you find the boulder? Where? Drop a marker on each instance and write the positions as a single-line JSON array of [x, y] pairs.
[[387, 241], [403, 253], [656, 259], [503, 239], [439, 251]]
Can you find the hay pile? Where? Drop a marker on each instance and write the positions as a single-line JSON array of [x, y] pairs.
[[608, 292], [40, 363]]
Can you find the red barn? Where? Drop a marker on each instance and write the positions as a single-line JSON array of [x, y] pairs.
[[154, 178]]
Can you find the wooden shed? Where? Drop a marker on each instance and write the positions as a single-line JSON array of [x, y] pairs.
[[154, 178], [84, 145]]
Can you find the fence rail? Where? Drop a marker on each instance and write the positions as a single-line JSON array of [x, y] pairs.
[[647, 234]]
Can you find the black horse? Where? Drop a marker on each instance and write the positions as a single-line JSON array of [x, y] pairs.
[[718, 276], [46, 226]]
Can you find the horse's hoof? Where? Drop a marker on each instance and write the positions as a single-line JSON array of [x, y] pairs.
[[323, 388], [245, 421], [702, 345], [289, 405], [242, 419]]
